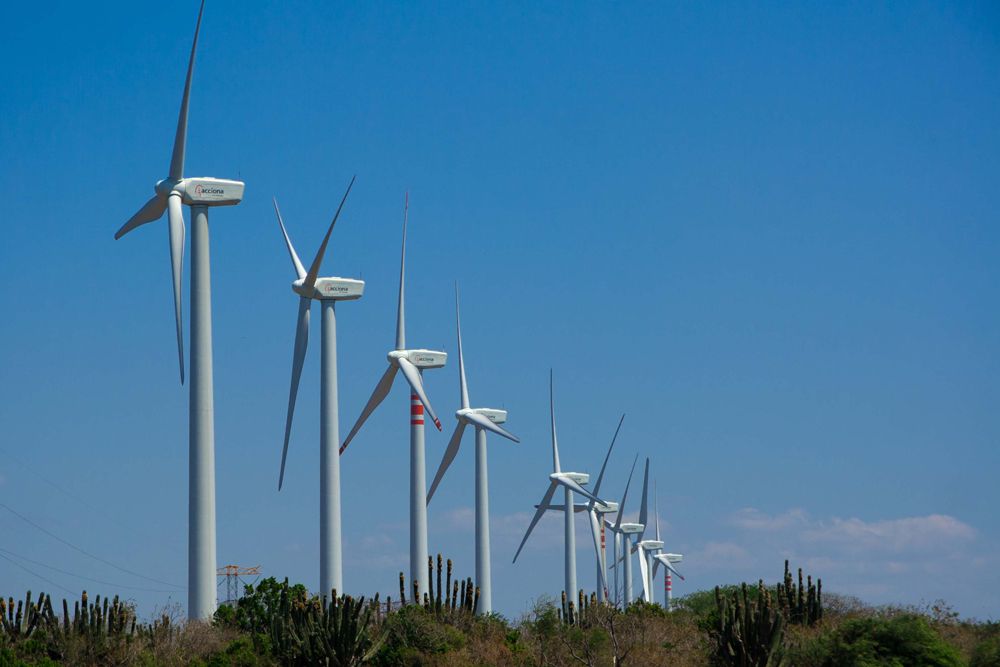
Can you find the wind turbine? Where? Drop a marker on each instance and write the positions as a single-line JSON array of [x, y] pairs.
[[647, 550], [667, 560], [483, 420], [199, 193], [643, 547], [623, 531], [412, 363], [328, 291], [595, 513], [570, 481]]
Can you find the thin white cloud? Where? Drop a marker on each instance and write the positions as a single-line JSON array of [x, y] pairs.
[[750, 518], [894, 535], [720, 554]]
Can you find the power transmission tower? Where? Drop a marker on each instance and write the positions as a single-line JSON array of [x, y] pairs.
[[232, 573]]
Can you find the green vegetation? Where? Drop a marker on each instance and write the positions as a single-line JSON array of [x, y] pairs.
[[276, 623]]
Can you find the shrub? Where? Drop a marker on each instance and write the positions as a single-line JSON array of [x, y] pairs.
[[903, 641], [987, 653]]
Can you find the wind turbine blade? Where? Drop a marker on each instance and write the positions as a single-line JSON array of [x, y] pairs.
[[175, 228], [180, 139], [313, 274], [381, 391], [552, 415], [670, 567], [400, 315], [150, 211], [621, 505], [644, 570], [600, 477], [595, 532], [412, 376], [298, 359], [576, 488], [656, 512], [656, 565], [482, 422], [300, 271], [463, 386], [644, 502], [449, 455], [538, 515]]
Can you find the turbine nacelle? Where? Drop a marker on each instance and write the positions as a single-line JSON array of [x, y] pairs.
[[674, 558], [651, 545], [203, 191], [578, 477], [331, 289], [494, 415], [607, 507], [419, 358], [631, 528]]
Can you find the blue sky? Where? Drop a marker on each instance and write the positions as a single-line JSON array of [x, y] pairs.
[[767, 233]]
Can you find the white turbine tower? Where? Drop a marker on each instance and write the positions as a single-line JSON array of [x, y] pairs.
[[198, 193], [570, 481], [412, 362], [483, 420], [328, 291], [595, 513]]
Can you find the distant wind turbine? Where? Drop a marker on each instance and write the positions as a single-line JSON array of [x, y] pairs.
[[483, 420], [570, 481], [665, 559], [199, 193], [624, 530], [595, 513], [328, 291]]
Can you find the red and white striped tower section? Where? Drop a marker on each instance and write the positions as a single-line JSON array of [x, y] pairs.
[[668, 587]]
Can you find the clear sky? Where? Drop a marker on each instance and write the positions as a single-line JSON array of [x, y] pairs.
[[768, 233]]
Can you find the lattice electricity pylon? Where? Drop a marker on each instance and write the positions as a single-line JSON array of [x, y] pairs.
[[232, 574]]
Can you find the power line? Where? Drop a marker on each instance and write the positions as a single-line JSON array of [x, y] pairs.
[[75, 497], [84, 551], [32, 572], [82, 576]]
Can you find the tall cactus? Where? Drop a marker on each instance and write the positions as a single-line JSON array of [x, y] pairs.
[[749, 632], [437, 604], [802, 604], [447, 587], [337, 634]]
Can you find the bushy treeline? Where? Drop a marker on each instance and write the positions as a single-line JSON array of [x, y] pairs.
[[276, 623]]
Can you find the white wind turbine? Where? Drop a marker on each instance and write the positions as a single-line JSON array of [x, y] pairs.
[[199, 193], [328, 291], [665, 559], [642, 546], [668, 561], [595, 513], [483, 420], [615, 528], [412, 363], [570, 481], [623, 531]]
